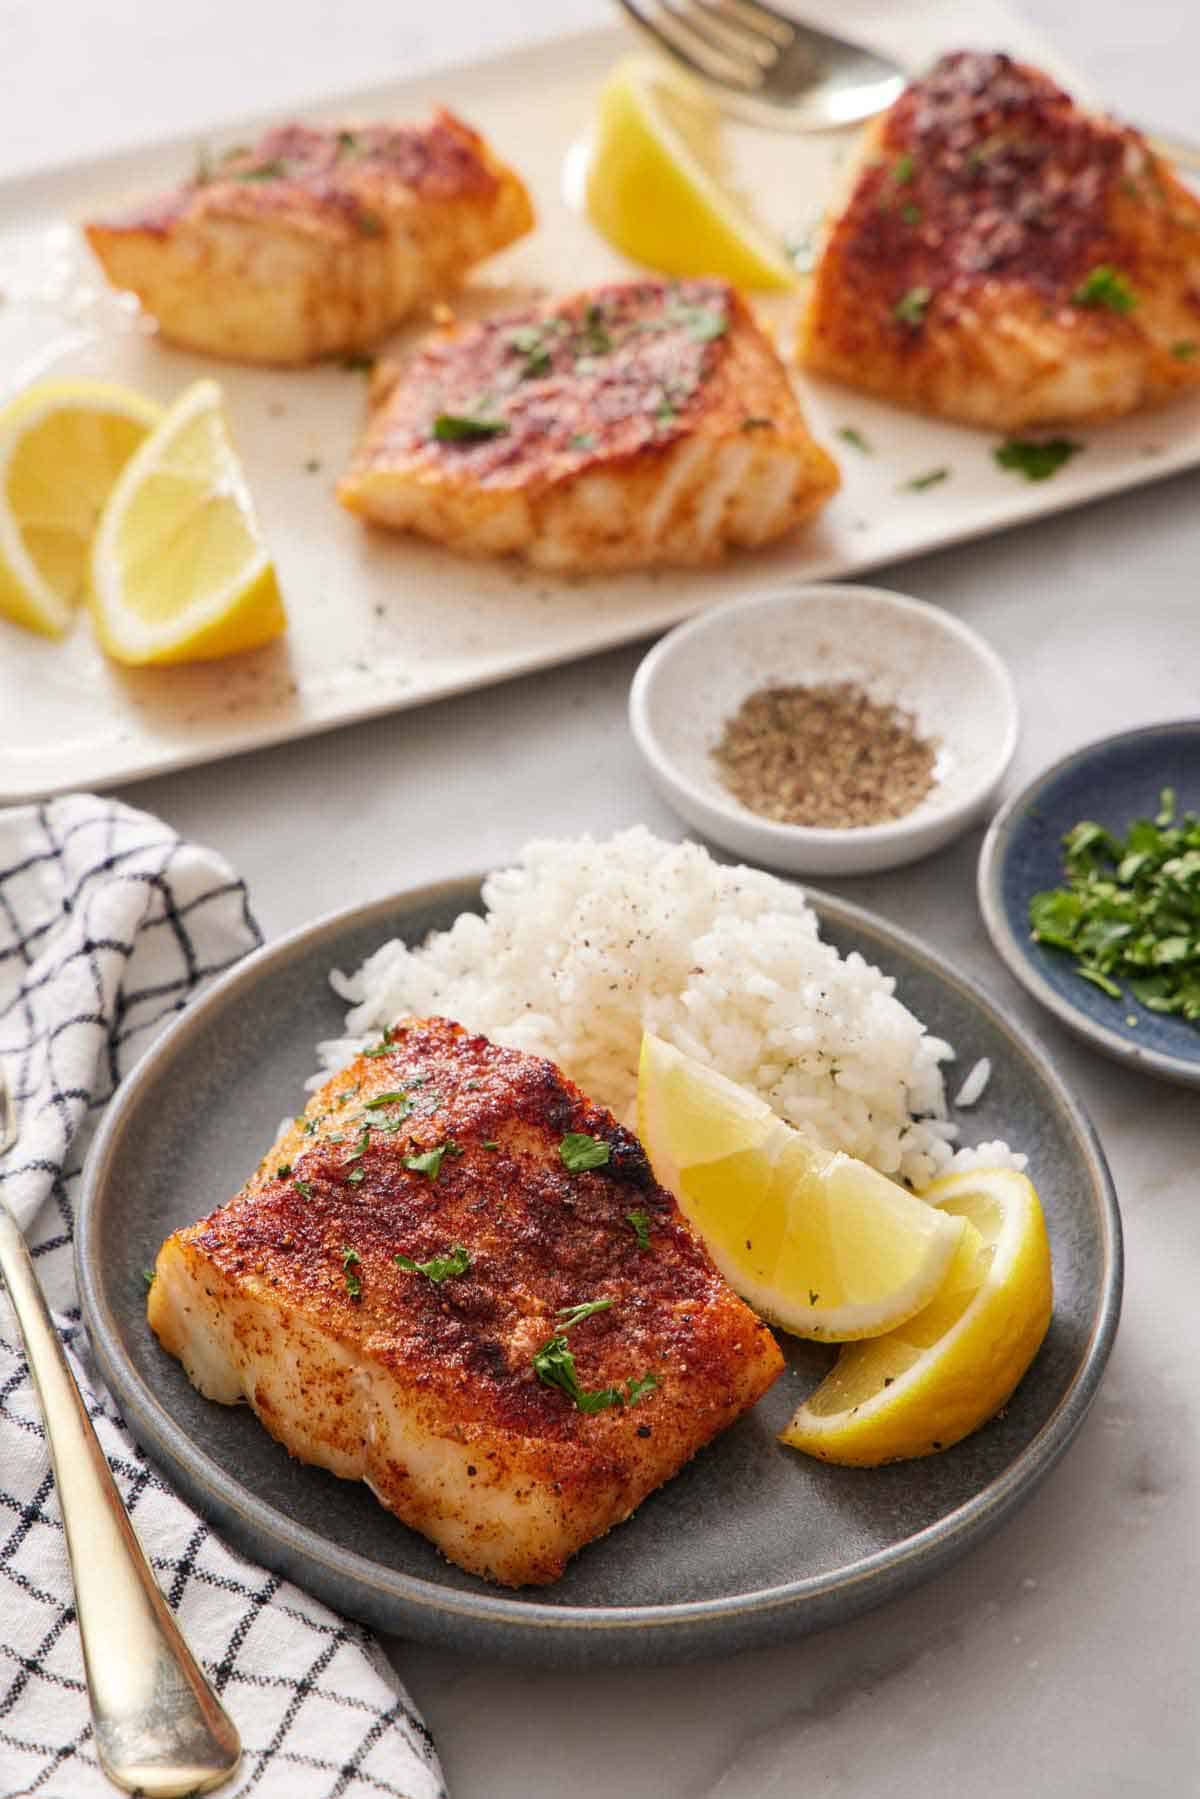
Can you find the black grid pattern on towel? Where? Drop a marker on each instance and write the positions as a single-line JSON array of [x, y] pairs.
[[109, 922]]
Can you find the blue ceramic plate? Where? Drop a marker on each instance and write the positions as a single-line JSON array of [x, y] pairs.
[[1113, 781], [751, 1542]]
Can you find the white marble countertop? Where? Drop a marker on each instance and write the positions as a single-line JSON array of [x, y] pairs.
[[1061, 1658]]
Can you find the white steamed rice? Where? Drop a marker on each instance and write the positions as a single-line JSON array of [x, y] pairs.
[[586, 944]]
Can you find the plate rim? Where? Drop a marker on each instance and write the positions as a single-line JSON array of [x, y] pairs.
[[1011, 948], [528, 1629]]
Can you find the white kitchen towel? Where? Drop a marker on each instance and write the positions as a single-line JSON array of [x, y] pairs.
[[109, 923]]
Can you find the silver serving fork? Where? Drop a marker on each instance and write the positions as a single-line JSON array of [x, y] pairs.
[[159, 1727], [770, 69]]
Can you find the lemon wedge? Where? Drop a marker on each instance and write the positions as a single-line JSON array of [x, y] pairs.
[[179, 569], [814, 1240], [656, 184], [948, 1370], [62, 446]]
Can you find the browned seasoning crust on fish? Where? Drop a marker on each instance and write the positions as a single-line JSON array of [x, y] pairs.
[[1007, 258], [638, 423], [318, 239], [290, 1296]]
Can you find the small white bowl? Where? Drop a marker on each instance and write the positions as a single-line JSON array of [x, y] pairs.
[[901, 652]]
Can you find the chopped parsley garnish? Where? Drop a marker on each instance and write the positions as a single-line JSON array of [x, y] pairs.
[[283, 1170], [1185, 349], [264, 171], [489, 1143], [438, 1268], [910, 308], [569, 1316], [757, 424], [530, 342], [381, 1048], [148, 1277], [903, 169], [369, 224], [302, 1187], [1130, 909], [350, 1262], [930, 478], [849, 435], [910, 214], [641, 1227], [356, 1177], [360, 1148], [555, 1366], [1036, 458], [465, 427], [359, 362], [700, 322], [801, 250], [429, 1162], [398, 1098], [347, 143], [596, 338], [582, 440], [580, 1152], [1105, 286]]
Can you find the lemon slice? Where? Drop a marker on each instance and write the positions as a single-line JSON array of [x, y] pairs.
[[656, 185], [179, 569], [62, 446], [816, 1241], [949, 1369]]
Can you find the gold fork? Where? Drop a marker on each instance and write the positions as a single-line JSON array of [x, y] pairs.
[[159, 1727]]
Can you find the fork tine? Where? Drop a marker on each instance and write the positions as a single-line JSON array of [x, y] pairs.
[[761, 18], [688, 48], [714, 21]]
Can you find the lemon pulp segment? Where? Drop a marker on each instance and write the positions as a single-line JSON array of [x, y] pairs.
[[63, 445], [815, 1240], [950, 1368], [179, 568], [657, 186]]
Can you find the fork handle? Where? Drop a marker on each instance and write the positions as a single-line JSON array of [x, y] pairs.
[[159, 1728]]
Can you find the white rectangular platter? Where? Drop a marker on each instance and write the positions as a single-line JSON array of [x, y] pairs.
[[379, 622]]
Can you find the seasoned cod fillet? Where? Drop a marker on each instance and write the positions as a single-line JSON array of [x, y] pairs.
[[317, 240], [448, 1151], [1007, 258], [641, 423]]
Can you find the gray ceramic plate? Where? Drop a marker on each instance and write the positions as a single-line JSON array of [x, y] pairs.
[[752, 1542]]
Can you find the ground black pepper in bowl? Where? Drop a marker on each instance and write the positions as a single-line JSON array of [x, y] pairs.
[[826, 756]]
